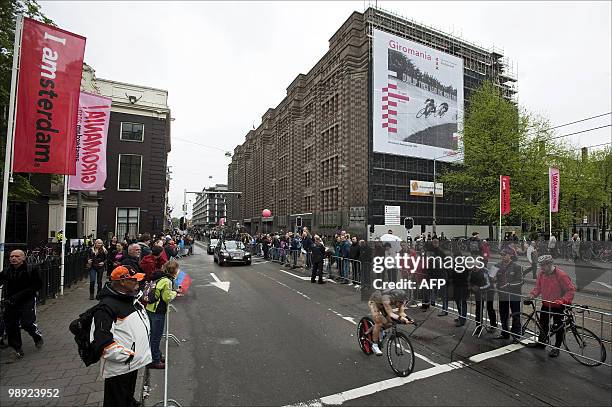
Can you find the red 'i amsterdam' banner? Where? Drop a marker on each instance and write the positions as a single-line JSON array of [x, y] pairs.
[[51, 65], [504, 188]]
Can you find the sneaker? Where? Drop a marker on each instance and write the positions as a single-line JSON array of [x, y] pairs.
[[376, 349], [442, 313], [553, 353], [158, 365], [39, 343]]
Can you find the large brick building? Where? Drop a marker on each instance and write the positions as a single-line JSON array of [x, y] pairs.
[[312, 155]]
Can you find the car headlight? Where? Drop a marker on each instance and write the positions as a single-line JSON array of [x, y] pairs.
[[225, 254]]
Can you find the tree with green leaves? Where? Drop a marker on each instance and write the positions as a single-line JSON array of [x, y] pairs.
[[20, 189], [499, 139]]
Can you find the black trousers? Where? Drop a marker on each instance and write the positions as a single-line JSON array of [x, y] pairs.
[[119, 390], [490, 311], [557, 315], [23, 315], [317, 270], [505, 307]]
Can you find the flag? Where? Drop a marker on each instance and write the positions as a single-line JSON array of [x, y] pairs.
[[51, 65], [183, 280], [553, 188], [92, 129], [504, 194]]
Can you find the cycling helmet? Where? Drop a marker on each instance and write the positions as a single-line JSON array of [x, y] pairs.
[[546, 258], [398, 295]]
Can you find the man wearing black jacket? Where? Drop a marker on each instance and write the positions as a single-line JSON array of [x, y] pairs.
[[318, 254], [20, 288], [509, 282]]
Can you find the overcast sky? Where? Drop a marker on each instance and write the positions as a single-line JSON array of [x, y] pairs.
[[225, 63]]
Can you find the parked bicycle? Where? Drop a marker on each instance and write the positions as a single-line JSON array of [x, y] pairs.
[[582, 344], [399, 349]]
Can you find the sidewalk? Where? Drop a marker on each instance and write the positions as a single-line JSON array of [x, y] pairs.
[[57, 365]]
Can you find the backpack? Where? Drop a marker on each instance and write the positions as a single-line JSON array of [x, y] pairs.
[[81, 329], [149, 293]]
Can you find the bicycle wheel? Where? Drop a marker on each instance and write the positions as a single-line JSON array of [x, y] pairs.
[[364, 334], [420, 113], [531, 329], [400, 354], [582, 344]]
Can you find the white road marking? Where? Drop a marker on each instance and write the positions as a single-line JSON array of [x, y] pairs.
[[604, 284], [224, 285], [293, 275], [496, 352], [342, 397]]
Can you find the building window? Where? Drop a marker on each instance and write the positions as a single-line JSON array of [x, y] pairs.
[[132, 132], [127, 221], [130, 172]]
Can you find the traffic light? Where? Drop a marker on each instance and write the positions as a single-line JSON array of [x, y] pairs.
[[408, 223], [298, 222], [371, 228], [182, 223]]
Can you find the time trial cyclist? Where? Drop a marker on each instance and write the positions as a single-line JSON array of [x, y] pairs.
[[382, 304]]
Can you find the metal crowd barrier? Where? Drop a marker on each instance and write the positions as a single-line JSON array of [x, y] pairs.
[[349, 270], [598, 321]]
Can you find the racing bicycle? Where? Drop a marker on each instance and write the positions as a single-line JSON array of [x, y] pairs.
[[582, 344], [399, 349]]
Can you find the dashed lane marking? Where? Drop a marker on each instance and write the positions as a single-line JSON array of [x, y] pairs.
[[349, 319]]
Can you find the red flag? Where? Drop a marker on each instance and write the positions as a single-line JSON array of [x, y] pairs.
[[51, 65], [504, 194], [553, 188]]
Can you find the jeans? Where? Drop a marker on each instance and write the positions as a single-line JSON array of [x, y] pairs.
[[95, 275], [345, 267], [157, 330], [356, 266], [295, 254], [461, 301]]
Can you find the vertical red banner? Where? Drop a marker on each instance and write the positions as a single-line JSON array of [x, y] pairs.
[[504, 190], [50, 69], [553, 188]]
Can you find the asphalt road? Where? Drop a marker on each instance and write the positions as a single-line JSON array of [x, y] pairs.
[[276, 339]]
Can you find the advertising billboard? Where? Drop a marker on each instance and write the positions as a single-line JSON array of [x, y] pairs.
[[417, 99], [426, 188]]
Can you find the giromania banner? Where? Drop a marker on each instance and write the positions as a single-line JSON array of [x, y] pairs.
[[417, 101], [504, 189], [51, 65], [92, 129], [553, 188]]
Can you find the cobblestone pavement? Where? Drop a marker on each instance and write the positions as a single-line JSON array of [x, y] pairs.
[[57, 365]]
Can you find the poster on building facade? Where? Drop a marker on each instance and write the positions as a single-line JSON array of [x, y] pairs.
[[92, 129], [417, 99]]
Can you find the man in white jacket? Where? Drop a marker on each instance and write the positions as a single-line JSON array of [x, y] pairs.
[[121, 337]]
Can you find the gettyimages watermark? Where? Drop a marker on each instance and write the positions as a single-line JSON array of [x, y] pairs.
[[413, 264]]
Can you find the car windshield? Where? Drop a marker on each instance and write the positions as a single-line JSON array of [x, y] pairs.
[[233, 245], [213, 242]]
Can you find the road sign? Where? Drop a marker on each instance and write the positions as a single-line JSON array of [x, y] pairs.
[[392, 215]]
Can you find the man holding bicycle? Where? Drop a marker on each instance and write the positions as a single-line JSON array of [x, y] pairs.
[[381, 308], [556, 288]]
